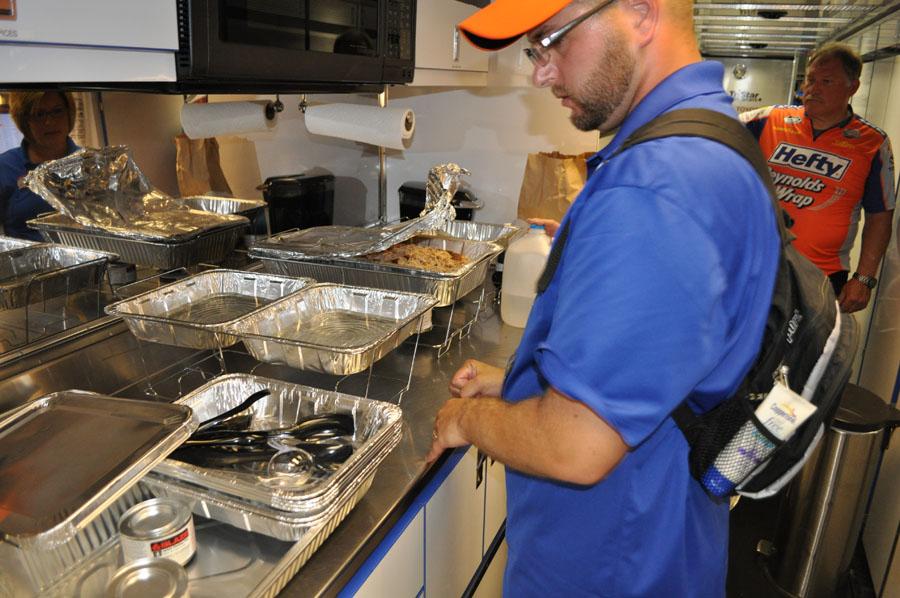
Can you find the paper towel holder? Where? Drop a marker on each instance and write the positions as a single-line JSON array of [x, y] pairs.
[[273, 108]]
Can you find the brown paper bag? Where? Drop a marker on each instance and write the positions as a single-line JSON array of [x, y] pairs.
[[550, 184], [198, 167]]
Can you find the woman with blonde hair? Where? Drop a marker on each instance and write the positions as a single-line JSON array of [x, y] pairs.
[[45, 119]]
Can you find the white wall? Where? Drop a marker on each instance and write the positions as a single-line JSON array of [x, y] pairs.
[[489, 131], [880, 360]]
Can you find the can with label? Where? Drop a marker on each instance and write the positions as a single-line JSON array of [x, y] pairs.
[[161, 578], [159, 527]]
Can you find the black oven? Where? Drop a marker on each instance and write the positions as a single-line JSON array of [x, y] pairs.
[[299, 45]]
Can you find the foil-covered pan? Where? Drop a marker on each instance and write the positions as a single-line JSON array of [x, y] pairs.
[[209, 245], [31, 572], [69, 455], [10, 243], [501, 234], [334, 329], [40, 272], [198, 311], [377, 432], [445, 287], [282, 525]]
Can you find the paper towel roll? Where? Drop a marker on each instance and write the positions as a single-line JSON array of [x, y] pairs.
[[225, 118], [388, 127]]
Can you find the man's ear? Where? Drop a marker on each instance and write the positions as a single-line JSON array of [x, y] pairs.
[[854, 87], [644, 17]]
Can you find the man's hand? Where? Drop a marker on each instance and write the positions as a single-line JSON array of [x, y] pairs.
[[854, 296], [550, 226], [476, 379], [447, 433]]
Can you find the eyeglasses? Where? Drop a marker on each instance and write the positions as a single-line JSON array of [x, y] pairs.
[[45, 115], [539, 53]]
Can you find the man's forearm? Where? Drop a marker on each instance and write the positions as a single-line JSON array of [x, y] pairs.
[[875, 238], [550, 436]]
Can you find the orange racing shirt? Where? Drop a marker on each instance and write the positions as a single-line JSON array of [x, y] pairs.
[[823, 181]]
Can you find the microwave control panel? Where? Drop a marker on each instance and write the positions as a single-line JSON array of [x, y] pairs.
[[400, 21]]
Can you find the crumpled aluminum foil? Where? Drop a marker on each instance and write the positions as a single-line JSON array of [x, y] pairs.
[[349, 241], [105, 189]]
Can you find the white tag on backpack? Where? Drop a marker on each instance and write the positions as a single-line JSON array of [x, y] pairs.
[[783, 411]]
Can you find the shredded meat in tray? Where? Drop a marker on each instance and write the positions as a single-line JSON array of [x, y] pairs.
[[418, 256]]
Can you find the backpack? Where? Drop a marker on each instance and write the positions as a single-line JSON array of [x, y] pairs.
[[807, 343]]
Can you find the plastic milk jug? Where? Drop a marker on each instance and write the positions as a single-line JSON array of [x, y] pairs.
[[522, 266]]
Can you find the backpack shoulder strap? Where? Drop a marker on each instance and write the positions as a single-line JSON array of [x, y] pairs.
[[689, 122]]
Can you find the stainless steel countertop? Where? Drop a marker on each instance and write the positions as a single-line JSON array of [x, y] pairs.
[[232, 562]]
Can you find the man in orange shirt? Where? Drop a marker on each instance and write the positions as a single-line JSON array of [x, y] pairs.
[[827, 163]]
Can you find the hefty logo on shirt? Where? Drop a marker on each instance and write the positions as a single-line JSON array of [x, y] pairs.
[[810, 160]]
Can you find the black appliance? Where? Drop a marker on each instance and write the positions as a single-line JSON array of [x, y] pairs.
[[314, 45], [412, 201], [297, 201]]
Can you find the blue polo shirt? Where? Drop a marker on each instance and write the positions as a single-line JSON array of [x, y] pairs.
[[21, 205], [661, 294]]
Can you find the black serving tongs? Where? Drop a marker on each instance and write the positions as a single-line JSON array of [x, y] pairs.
[[234, 416]]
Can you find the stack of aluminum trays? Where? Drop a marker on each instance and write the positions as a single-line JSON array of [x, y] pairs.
[[306, 510], [446, 287], [501, 234], [248, 208], [200, 311], [10, 243], [334, 329], [212, 244], [40, 272], [58, 514]]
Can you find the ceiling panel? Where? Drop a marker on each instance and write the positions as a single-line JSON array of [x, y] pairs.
[[785, 29]]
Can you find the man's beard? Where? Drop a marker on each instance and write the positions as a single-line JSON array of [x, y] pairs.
[[605, 88]]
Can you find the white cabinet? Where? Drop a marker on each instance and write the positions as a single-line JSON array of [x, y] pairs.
[[443, 56], [402, 570], [495, 500], [454, 527], [453, 523]]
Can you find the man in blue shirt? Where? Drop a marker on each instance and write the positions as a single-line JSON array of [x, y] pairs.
[[45, 120], [661, 295]]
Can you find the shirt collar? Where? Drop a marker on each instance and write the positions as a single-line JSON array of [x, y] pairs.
[[71, 147], [696, 79]]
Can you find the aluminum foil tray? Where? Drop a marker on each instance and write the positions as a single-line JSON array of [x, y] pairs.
[[283, 525], [32, 572], [40, 272], [501, 234], [334, 329], [10, 243], [446, 288], [225, 205], [197, 311], [378, 428], [47, 500], [211, 245]]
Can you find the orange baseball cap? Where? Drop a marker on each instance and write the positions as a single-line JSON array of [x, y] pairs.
[[502, 22]]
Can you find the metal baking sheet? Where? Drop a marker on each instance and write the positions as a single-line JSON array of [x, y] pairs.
[[41, 272], [501, 234], [446, 288], [10, 243], [67, 456], [377, 431], [334, 329], [33, 572], [197, 311], [211, 245]]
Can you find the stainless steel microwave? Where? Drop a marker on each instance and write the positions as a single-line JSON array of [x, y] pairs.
[[299, 45]]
